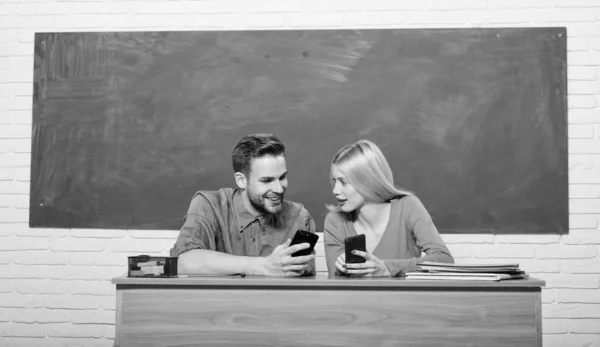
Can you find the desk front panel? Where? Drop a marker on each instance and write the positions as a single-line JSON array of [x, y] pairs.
[[324, 317]]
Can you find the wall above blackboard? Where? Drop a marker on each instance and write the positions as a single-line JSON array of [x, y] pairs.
[[128, 125]]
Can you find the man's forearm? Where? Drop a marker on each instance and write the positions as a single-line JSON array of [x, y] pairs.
[[206, 262]]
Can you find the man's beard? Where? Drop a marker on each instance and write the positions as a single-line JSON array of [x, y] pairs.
[[262, 203]]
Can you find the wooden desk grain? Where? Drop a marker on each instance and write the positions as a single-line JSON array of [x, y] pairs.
[[233, 311]]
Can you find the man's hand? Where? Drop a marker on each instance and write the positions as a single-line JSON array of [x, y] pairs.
[[281, 263]]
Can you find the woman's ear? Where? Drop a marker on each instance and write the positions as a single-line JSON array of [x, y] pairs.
[[240, 180]]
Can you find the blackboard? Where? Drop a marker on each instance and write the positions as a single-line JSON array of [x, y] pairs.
[[128, 125]]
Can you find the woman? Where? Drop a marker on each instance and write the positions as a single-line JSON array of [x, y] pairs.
[[395, 223]]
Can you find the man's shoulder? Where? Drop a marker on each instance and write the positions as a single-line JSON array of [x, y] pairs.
[[216, 199], [292, 209]]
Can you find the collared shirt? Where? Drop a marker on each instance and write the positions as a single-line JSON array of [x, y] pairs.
[[218, 221]]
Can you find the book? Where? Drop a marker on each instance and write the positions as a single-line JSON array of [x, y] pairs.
[[463, 276], [469, 268]]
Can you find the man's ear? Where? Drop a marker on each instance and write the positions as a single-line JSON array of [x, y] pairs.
[[240, 180]]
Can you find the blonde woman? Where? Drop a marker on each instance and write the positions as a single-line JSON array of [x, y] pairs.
[[396, 225]]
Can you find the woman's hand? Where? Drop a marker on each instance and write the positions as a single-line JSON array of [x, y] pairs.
[[373, 266]]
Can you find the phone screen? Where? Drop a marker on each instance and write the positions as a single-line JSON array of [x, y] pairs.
[[352, 243], [303, 236]]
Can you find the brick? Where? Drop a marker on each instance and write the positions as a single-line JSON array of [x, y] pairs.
[[72, 302], [148, 20], [576, 3], [6, 201], [581, 102], [153, 234], [134, 245], [581, 131], [584, 206], [7, 35], [22, 330], [6, 117], [79, 245], [6, 230], [468, 238], [591, 296], [21, 301], [41, 315], [86, 273], [6, 286], [5, 257], [584, 116], [13, 188], [266, 20], [320, 19], [563, 340], [13, 215], [36, 342], [16, 160], [41, 23], [22, 244], [584, 146], [570, 281], [21, 201], [98, 8], [15, 132], [75, 330], [98, 259], [95, 21], [527, 239], [596, 161], [504, 251], [460, 250], [4, 317], [583, 87], [581, 266], [332, 5], [456, 4], [23, 89], [584, 177], [98, 233], [583, 221], [499, 17], [595, 42], [588, 326], [26, 36], [15, 145], [535, 265], [6, 90], [45, 286], [554, 326], [584, 191], [548, 295], [559, 251], [18, 271], [92, 287], [582, 237], [93, 317], [22, 118], [582, 58], [44, 9], [24, 230], [571, 311], [383, 18], [386, 5], [578, 44], [109, 303], [565, 15], [39, 258]]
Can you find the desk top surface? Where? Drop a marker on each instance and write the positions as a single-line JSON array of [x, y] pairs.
[[321, 281]]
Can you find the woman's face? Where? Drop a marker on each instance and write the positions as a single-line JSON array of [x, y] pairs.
[[348, 198]]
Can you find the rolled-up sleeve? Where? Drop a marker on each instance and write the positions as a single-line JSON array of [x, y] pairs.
[[199, 228]]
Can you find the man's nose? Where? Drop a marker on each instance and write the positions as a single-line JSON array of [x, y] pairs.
[[278, 187]]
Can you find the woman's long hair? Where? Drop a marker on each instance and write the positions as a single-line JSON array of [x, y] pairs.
[[367, 170]]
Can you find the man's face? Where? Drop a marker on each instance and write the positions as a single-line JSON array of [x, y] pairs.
[[267, 182]]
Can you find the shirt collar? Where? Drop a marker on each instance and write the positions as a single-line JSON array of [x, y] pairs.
[[245, 217]]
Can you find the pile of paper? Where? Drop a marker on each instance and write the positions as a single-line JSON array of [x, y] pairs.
[[466, 272]]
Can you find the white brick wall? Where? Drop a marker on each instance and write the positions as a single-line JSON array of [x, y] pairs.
[[54, 283]]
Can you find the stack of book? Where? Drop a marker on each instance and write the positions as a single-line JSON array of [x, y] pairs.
[[466, 272]]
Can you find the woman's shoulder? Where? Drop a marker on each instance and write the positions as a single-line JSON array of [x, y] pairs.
[[336, 218], [407, 204]]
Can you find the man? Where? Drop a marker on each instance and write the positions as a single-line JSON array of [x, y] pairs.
[[246, 230]]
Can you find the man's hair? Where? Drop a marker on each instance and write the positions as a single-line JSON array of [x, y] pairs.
[[255, 146], [367, 170]]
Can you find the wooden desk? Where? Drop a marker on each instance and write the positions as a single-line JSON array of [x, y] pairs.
[[234, 311]]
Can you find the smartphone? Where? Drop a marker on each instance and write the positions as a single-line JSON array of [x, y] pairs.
[[355, 243], [302, 236]]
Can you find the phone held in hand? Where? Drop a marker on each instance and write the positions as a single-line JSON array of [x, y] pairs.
[[355, 243], [302, 236]]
